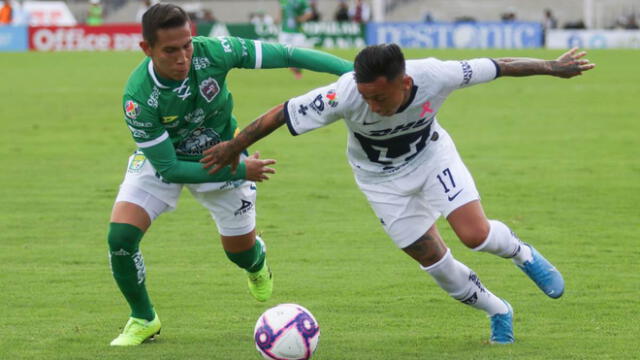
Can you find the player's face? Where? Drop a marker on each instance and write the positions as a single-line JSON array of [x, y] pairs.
[[385, 97], [172, 52]]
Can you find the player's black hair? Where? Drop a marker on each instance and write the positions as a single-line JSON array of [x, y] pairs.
[[379, 60], [161, 16]]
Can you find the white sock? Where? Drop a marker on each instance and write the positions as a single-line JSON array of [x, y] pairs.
[[503, 242], [463, 284]]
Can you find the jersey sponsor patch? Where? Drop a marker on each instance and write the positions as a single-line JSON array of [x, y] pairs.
[[200, 63], [131, 109], [137, 133], [153, 97], [198, 141], [209, 89], [332, 98]]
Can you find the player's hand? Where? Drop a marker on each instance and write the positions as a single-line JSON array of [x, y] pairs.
[[257, 169], [571, 64], [219, 156]]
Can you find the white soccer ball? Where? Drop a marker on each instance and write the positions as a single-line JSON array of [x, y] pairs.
[[286, 332]]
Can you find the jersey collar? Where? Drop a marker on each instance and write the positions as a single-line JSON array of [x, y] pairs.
[[414, 90], [160, 81]]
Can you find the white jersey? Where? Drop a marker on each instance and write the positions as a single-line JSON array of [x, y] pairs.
[[384, 147]]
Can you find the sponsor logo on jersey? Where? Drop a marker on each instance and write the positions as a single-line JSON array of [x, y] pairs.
[[153, 98], [244, 208], [131, 109], [195, 117], [183, 91], [139, 133], [467, 73], [170, 122], [225, 44], [199, 140], [200, 63], [400, 128], [209, 89], [331, 98], [317, 104], [138, 123]]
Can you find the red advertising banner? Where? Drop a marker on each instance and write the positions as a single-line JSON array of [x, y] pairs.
[[85, 38]]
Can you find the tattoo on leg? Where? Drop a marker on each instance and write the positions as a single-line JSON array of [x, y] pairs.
[[426, 250]]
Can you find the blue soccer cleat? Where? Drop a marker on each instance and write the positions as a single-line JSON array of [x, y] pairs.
[[545, 275], [502, 327]]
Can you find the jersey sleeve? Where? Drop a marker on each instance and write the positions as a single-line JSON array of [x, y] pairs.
[[313, 110], [456, 74], [234, 52], [163, 158], [282, 56]]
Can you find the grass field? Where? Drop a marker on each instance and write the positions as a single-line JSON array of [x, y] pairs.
[[557, 160]]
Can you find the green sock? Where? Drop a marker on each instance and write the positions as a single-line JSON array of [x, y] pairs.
[[128, 268], [251, 260]]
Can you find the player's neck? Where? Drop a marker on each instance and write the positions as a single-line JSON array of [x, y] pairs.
[[407, 95]]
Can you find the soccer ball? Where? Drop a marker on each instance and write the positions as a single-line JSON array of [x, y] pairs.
[[286, 332]]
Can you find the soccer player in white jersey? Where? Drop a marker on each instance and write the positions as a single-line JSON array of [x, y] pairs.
[[408, 167]]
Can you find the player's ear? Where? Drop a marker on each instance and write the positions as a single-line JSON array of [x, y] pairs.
[[144, 45], [406, 82]]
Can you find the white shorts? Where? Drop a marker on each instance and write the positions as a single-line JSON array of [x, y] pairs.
[[293, 39], [231, 203], [409, 205]]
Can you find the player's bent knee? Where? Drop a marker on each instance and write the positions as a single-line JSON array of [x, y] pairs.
[[474, 236], [123, 236], [427, 250]]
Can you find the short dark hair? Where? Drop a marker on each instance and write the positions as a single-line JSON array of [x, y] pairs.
[[379, 60], [161, 16]]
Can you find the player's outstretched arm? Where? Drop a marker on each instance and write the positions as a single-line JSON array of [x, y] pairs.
[[568, 65], [225, 153], [280, 56]]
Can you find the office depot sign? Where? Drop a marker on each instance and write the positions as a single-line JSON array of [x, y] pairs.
[[85, 38]]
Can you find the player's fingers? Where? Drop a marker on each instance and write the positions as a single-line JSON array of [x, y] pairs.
[[587, 67], [235, 163], [257, 154], [268, 170], [215, 169], [264, 177], [579, 55], [268, 162]]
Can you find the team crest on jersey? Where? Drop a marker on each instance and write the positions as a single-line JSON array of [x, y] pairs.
[[131, 109], [331, 98], [136, 164], [209, 89], [199, 140]]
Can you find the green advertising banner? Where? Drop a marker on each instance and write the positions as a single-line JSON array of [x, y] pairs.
[[320, 34]]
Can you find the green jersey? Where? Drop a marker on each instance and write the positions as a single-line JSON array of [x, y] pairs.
[[173, 122], [290, 11]]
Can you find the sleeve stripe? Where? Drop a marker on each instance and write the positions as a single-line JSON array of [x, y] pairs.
[[288, 119], [258, 45], [155, 141], [497, 67]]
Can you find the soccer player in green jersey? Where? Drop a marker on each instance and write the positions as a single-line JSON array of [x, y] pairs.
[[176, 104], [293, 13]]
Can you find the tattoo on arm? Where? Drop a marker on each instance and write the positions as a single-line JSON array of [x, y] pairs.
[[261, 127], [524, 66]]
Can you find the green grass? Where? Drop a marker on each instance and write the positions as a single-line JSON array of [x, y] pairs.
[[557, 160]]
